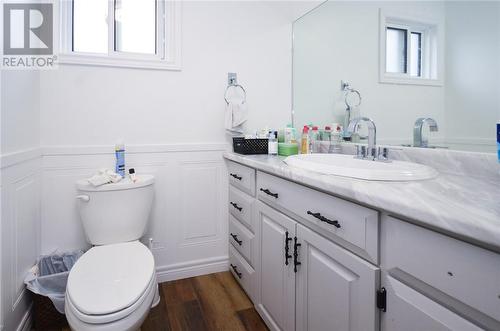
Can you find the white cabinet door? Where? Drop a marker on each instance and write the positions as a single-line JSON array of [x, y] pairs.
[[276, 279], [410, 310], [336, 290]]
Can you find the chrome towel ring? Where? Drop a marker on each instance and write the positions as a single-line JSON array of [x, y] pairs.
[[232, 81], [235, 86], [350, 91]]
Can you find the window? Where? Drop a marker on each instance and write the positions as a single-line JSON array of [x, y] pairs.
[[403, 51], [126, 33], [409, 50]]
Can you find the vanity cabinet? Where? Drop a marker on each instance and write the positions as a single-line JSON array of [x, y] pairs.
[[309, 280], [275, 268], [243, 247], [410, 310], [311, 261], [435, 282], [336, 290]]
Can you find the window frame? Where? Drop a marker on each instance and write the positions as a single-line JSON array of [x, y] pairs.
[[168, 32], [432, 45]]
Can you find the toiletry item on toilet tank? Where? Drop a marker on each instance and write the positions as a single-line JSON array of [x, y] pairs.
[[120, 159]]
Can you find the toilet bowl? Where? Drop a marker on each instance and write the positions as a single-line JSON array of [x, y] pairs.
[[111, 288], [113, 285]]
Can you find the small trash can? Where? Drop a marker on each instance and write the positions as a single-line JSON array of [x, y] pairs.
[[47, 280]]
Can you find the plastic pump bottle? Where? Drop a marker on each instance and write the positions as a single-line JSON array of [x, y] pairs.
[[313, 148], [273, 143]]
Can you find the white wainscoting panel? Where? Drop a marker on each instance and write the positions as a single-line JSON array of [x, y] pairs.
[[20, 233], [188, 222]]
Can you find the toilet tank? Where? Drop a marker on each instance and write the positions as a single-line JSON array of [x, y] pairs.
[[114, 213]]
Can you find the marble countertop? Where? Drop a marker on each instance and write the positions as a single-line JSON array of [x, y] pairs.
[[463, 206]]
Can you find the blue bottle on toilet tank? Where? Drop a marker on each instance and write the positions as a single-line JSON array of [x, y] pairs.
[[120, 159]]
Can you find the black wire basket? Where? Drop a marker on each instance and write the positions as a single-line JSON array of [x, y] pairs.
[[250, 146]]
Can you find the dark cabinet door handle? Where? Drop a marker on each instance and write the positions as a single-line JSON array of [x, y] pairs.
[[296, 262], [322, 218], [235, 237], [287, 248], [235, 269], [235, 205], [266, 191], [236, 176]]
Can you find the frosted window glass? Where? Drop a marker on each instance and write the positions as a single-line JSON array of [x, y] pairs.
[[90, 27], [396, 46], [135, 23]]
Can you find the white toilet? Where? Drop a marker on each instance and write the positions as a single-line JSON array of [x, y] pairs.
[[113, 285]]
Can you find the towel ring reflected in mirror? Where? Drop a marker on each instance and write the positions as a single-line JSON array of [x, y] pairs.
[[348, 103], [236, 86]]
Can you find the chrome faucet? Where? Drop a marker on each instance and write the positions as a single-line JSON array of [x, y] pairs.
[[371, 153], [418, 140]]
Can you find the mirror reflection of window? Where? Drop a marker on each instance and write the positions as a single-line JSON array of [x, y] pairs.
[[396, 52], [416, 54]]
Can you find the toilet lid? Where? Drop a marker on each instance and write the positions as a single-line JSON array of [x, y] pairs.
[[110, 278]]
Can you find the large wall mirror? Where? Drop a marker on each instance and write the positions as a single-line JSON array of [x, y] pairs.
[[434, 60]]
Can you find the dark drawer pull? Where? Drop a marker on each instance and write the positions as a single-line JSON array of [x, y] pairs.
[[235, 237], [287, 248], [324, 219], [296, 261], [236, 176], [266, 191], [235, 269], [235, 205]]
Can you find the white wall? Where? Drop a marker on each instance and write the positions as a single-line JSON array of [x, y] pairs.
[[472, 90], [19, 190], [20, 128], [85, 106], [340, 41]]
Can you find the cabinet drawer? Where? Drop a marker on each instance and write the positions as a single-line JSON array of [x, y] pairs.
[[352, 226], [242, 177], [240, 206], [242, 271], [410, 310], [241, 238], [460, 270]]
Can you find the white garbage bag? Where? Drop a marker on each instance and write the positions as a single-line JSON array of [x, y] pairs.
[[50, 275]]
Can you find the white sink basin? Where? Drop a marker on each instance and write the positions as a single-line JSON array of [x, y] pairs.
[[348, 166]]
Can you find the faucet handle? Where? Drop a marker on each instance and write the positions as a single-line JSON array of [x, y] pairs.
[[363, 152], [383, 154], [360, 152]]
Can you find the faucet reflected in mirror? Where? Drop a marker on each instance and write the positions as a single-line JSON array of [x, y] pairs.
[[418, 139]]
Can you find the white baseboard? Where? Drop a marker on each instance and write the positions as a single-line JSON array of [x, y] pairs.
[[27, 321], [192, 269]]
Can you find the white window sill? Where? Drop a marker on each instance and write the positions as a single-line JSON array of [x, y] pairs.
[[120, 62], [410, 81]]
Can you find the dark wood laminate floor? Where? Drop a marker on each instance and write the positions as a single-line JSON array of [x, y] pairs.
[[210, 302]]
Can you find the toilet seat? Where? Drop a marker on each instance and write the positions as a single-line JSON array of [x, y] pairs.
[[113, 317], [110, 282]]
